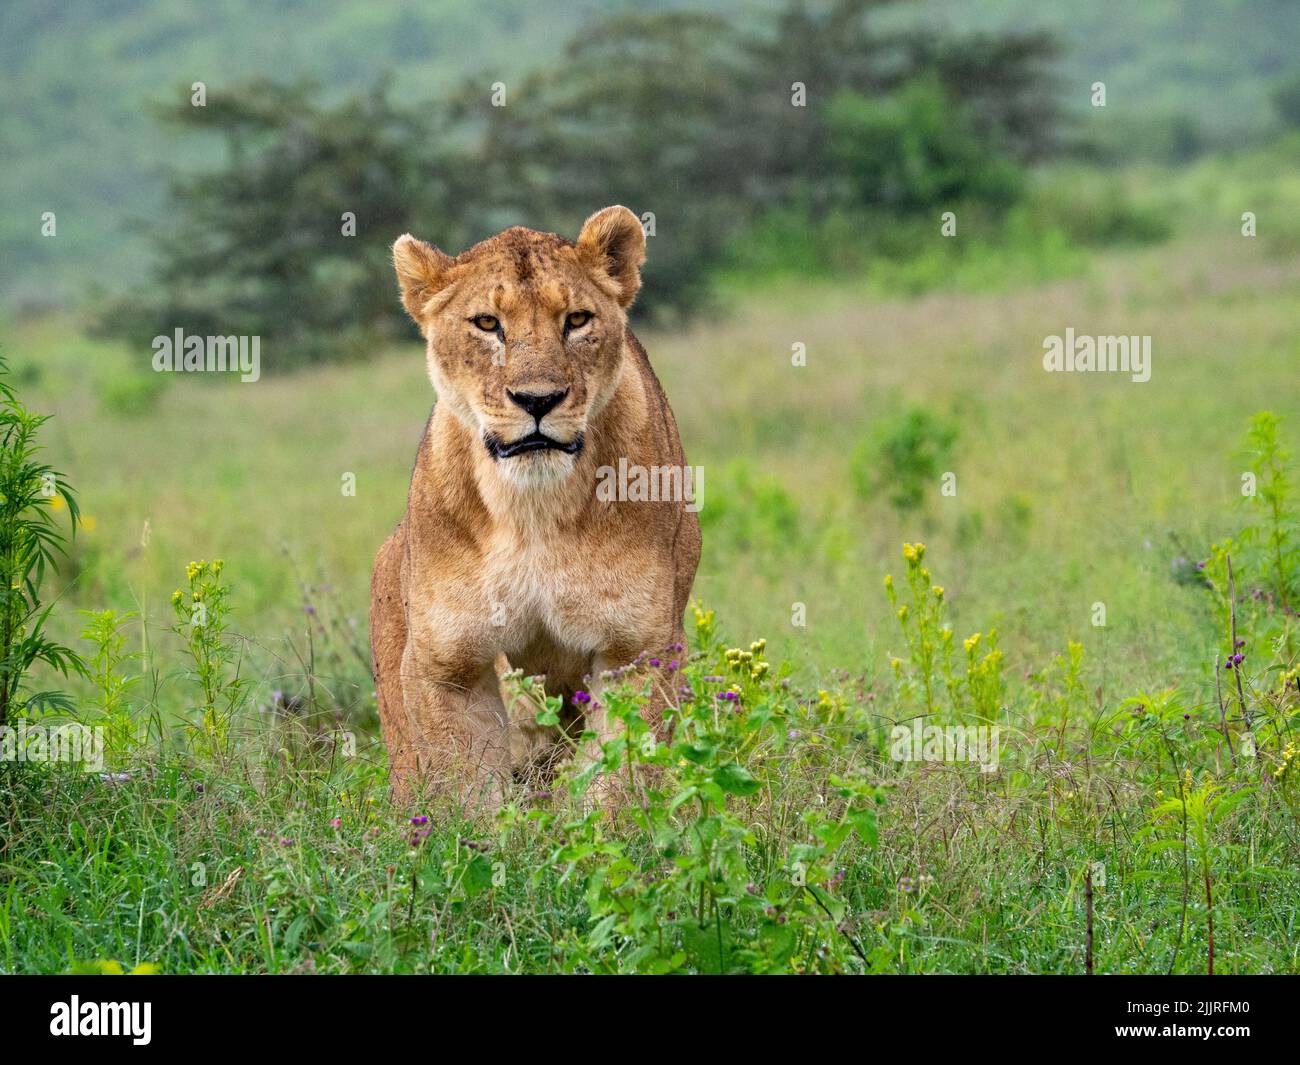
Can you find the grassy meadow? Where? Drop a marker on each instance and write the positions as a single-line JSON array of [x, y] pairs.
[[1070, 488], [777, 834]]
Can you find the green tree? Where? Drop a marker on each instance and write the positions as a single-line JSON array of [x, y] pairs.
[[290, 238], [703, 123]]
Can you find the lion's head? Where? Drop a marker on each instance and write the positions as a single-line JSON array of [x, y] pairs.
[[525, 334]]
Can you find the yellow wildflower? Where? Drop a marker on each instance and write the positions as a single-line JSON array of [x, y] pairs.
[[1288, 754]]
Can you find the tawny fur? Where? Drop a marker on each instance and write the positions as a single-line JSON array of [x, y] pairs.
[[515, 560]]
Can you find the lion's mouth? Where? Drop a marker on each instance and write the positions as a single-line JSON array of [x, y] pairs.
[[534, 441]]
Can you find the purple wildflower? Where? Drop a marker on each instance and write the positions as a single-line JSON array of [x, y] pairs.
[[581, 697], [420, 819]]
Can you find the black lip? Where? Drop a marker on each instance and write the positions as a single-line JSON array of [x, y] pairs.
[[534, 441]]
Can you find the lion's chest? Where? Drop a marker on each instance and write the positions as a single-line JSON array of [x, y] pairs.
[[582, 596]]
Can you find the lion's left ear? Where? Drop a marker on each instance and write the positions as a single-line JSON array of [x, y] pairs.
[[613, 242]]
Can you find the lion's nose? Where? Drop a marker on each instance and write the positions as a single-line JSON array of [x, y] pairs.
[[538, 404]]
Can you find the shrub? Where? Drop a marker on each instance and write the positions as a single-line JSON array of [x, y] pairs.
[[708, 895], [904, 457], [134, 394], [915, 152], [31, 494]]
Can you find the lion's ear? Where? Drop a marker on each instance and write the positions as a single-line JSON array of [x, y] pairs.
[[613, 242], [421, 273]]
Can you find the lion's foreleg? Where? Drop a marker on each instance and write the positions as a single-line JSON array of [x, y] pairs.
[[458, 736]]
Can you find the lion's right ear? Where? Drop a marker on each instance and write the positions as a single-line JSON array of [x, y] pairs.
[[422, 270]]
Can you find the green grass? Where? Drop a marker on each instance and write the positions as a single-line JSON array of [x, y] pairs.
[[1067, 486], [1072, 490], [786, 837]]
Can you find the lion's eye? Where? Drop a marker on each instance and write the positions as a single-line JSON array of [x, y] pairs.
[[577, 319], [487, 322]]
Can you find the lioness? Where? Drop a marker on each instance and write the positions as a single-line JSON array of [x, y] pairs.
[[506, 554]]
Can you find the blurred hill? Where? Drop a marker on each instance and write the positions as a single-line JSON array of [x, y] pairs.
[[79, 84], [1208, 67], [79, 137]]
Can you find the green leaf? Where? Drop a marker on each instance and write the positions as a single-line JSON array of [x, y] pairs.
[[478, 875], [865, 824], [699, 753], [736, 779]]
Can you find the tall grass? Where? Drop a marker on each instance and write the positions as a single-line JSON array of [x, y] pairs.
[[780, 830]]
